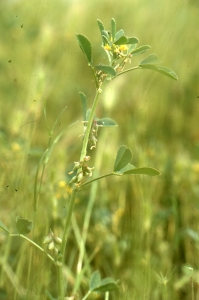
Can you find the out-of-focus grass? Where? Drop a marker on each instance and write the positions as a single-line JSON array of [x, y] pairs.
[[144, 230]]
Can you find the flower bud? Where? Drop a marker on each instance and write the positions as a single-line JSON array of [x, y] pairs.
[[87, 158]]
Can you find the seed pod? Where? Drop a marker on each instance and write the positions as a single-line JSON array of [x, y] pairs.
[[51, 246], [47, 239], [57, 240], [56, 251]]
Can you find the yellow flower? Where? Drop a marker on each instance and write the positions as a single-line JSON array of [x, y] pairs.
[[123, 47], [107, 47]]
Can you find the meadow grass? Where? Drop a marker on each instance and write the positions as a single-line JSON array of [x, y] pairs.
[[142, 231]]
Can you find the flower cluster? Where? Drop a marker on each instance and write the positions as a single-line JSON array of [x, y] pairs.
[[51, 240], [117, 51], [82, 170]]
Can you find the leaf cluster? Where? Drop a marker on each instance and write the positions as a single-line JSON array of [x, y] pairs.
[[120, 50]]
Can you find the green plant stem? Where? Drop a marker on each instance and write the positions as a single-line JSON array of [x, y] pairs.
[[128, 70], [33, 243], [73, 196], [100, 177], [86, 296], [89, 124], [64, 240], [96, 81]]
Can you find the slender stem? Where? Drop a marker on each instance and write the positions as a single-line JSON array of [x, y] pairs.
[[128, 70], [33, 243], [86, 296], [68, 219], [64, 240], [100, 177], [61, 291], [89, 124]]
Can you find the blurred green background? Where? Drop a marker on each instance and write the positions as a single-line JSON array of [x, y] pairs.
[[143, 231]]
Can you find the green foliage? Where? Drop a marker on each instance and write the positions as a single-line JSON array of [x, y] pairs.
[[106, 122], [131, 170], [123, 157], [102, 285], [123, 167], [85, 45], [24, 226], [151, 61], [106, 69], [139, 50], [170, 116]]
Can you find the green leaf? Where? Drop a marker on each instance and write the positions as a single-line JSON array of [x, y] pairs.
[[106, 285], [152, 59], [131, 47], [166, 71], [163, 70], [85, 45], [95, 280], [88, 112], [106, 69], [24, 226], [140, 50], [123, 157], [113, 28], [121, 41], [100, 25], [84, 104], [142, 171], [106, 34], [128, 167], [132, 40], [4, 227], [105, 40], [106, 122], [118, 35]]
